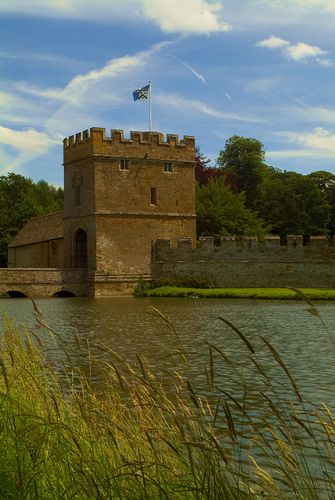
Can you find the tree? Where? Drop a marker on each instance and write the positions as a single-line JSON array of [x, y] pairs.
[[292, 203], [21, 199], [203, 172], [243, 159], [326, 182], [221, 212]]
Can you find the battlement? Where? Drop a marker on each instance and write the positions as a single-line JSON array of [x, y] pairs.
[[148, 145], [248, 249]]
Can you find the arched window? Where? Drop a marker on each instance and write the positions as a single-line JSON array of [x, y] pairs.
[[77, 186], [80, 249]]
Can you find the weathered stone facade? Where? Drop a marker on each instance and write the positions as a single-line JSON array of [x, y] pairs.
[[243, 264], [119, 195]]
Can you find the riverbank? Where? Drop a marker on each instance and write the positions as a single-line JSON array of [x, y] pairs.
[[241, 293]]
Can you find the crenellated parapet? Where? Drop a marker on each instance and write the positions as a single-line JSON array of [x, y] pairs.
[[140, 145], [248, 249]]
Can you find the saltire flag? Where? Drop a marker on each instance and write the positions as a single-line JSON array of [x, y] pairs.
[[142, 93]]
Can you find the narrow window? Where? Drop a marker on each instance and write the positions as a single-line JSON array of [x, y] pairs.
[[124, 164], [153, 196], [54, 247], [168, 167], [77, 185]]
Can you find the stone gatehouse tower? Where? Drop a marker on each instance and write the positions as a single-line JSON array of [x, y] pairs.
[[119, 195]]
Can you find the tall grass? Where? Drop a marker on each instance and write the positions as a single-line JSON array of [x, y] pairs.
[[148, 436]]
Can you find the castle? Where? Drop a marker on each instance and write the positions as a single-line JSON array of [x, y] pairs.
[[129, 212], [119, 195]]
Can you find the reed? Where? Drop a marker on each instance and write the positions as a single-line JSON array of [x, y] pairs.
[[146, 436]]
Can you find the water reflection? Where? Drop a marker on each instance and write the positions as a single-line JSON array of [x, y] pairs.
[[130, 327]]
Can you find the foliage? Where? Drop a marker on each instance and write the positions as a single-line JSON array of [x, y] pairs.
[[194, 281], [203, 172], [243, 158], [21, 199], [141, 287], [221, 212], [325, 181], [148, 436], [292, 203], [240, 293]]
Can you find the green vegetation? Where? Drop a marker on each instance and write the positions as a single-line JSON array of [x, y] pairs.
[[148, 436], [240, 293], [221, 212], [21, 199], [261, 198]]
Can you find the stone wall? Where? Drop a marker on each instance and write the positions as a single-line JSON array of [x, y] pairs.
[[40, 254], [247, 263], [43, 282]]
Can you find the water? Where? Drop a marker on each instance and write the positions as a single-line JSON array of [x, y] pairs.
[[133, 326], [130, 326]]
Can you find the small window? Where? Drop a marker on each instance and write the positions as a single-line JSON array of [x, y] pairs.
[[124, 164], [153, 196], [168, 167]]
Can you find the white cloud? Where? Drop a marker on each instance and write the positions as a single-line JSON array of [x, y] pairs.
[[319, 142], [188, 16], [314, 114], [273, 42], [301, 51], [27, 144]]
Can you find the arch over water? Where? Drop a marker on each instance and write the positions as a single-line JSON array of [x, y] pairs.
[[64, 293], [15, 294], [80, 249]]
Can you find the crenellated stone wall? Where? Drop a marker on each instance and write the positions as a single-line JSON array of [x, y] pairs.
[[248, 263]]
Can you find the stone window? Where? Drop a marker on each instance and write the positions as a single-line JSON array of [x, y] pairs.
[[77, 186], [168, 167], [54, 247], [153, 196], [124, 164], [80, 249]]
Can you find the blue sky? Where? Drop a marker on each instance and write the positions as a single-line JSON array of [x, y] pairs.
[[255, 68]]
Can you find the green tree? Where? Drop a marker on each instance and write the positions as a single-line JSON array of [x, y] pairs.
[[221, 212], [21, 199], [326, 182], [243, 159], [292, 203]]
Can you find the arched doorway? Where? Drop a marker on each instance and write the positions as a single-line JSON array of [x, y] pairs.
[[80, 249]]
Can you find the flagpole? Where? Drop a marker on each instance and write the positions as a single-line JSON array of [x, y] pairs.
[[150, 111]]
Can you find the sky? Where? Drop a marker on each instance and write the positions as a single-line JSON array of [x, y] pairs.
[[255, 68]]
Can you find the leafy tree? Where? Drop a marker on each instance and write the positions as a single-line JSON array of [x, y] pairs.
[[326, 182], [21, 199], [292, 203], [243, 159], [203, 172], [221, 212]]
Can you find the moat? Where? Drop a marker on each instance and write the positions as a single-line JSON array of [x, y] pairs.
[[131, 327]]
